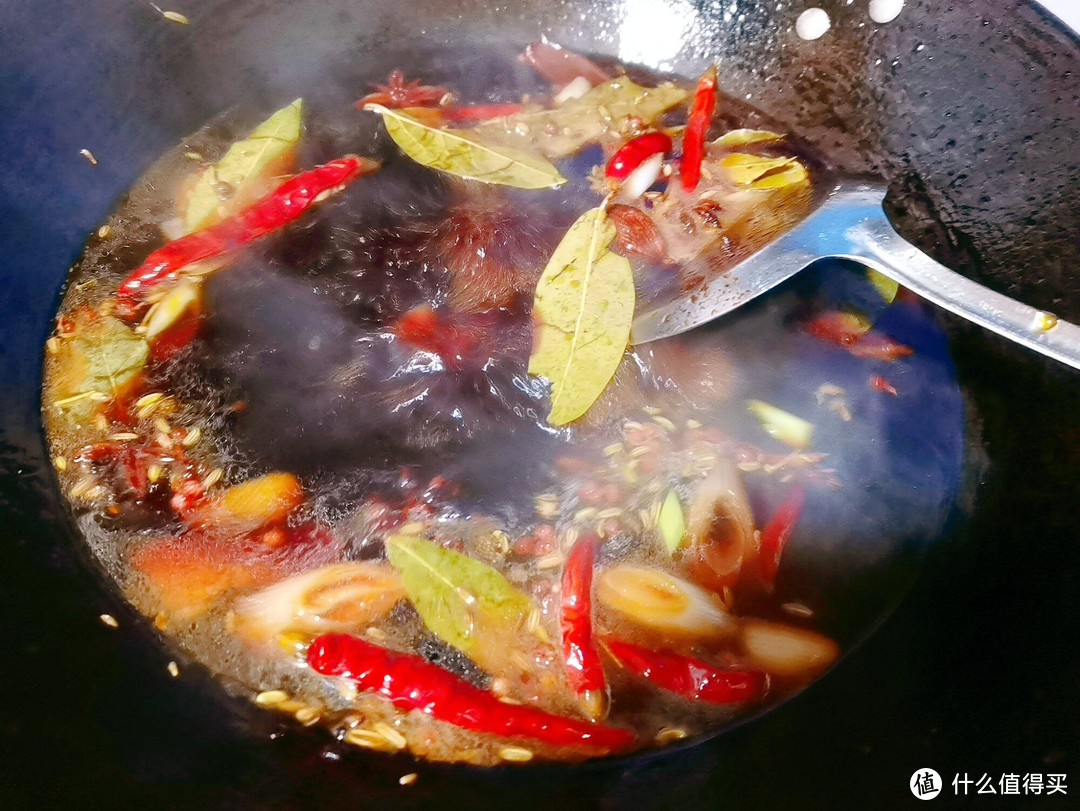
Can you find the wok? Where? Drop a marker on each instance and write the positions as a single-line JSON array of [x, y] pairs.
[[970, 110]]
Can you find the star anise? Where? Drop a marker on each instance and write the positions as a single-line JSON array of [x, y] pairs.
[[397, 92]]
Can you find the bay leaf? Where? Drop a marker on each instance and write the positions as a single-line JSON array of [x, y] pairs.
[[760, 172], [245, 168], [462, 153], [884, 285], [464, 602], [102, 356], [577, 122], [583, 309], [743, 137]]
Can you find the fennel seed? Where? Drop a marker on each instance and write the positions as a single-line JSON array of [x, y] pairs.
[[271, 698], [149, 400], [213, 477], [392, 736], [366, 738], [532, 622], [79, 489], [550, 562], [585, 513], [797, 610], [670, 735], [516, 754]]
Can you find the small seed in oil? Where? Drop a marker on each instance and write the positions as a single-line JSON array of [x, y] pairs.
[[670, 735], [516, 754], [271, 698], [213, 477], [550, 562], [393, 737]]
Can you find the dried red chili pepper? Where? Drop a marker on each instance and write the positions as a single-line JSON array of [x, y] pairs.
[[280, 207], [411, 682], [775, 535], [584, 670], [634, 152], [688, 677], [430, 331], [838, 327], [697, 127], [879, 383], [853, 332], [479, 112], [879, 347], [395, 92]]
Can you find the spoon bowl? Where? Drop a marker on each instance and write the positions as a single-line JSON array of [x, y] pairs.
[[850, 223]]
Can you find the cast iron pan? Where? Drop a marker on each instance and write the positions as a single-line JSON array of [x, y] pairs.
[[970, 109]]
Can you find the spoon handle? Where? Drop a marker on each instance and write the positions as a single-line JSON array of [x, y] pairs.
[[876, 243]]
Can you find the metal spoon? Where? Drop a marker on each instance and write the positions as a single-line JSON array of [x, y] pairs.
[[851, 224]]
